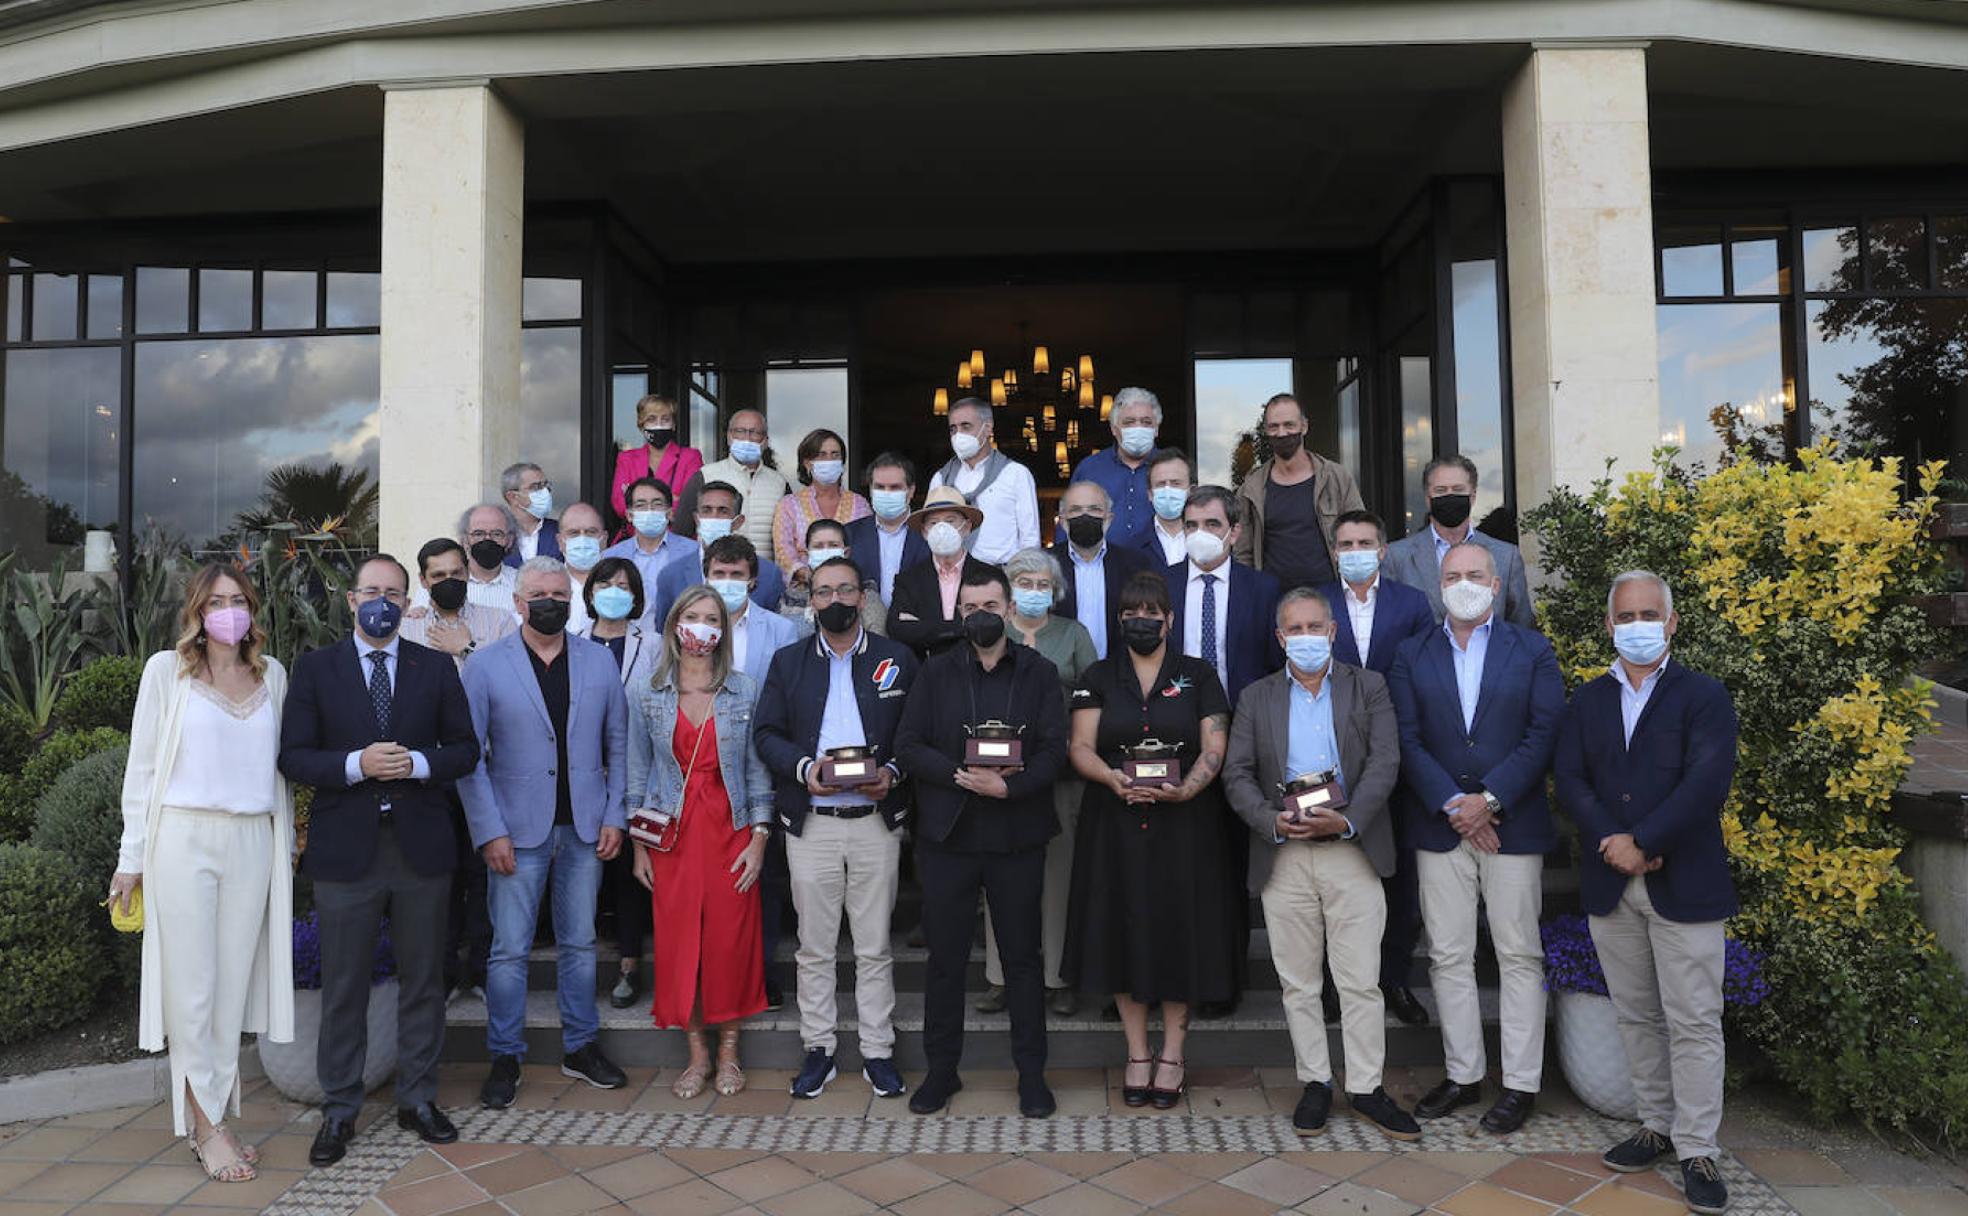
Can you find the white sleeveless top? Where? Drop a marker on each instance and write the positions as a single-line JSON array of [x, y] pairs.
[[226, 753]]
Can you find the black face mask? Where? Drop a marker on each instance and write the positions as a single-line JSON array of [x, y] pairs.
[[1143, 634], [837, 617], [1085, 531], [984, 629], [448, 594], [1449, 510], [659, 436], [1284, 447], [547, 616], [488, 554]]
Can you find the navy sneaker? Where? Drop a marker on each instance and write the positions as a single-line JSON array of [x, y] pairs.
[[814, 1074], [882, 1077], [1702, 1186]]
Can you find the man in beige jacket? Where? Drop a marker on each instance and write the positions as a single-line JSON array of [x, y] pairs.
[[1291, 502]]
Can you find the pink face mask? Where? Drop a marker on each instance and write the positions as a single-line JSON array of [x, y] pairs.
[[227, 626], [697, 638]]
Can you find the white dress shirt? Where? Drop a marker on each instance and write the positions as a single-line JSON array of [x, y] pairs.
[[741, 638], [1175, 548], [1192, 617], [1468, 661], [893, 541], [420, 769], [1633, 702], [529, 544], [1010, 506], [1360, 614]]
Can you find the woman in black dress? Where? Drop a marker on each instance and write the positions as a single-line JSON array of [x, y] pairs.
[[1151, 918]]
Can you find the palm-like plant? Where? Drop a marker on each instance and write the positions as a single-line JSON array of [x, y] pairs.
[[314, 497], [45, 634]]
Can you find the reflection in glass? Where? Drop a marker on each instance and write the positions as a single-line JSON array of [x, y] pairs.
[[55, 298], [1951, 248], [1889, 377], [1831, 257], [706, 432], [1417, 435], [14, 285], [1479, 379], [1896, 251], [354, 299], [163, 299], [105, 306], [798, 399], [1230, 397], [59, 420], [287, 299], [1755, 262], [1721, 366], [1347, 403], [550, 407], [550, 300], [1691, 259], [626, 386], [225, 301]]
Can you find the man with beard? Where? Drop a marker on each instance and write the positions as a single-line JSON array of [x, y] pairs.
[[1292, 502]]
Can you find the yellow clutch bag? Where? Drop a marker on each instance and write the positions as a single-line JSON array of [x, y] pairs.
[[127, 922]]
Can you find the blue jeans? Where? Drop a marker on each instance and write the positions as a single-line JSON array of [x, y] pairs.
[[514, 899]]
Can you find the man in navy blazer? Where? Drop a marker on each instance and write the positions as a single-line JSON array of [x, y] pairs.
[[545, 806], [883, 544], [380, 729], [1224, 610], [676, 576], [1646, 755], [527, 491], [844, 688], [1478, 701], [1086, 557]]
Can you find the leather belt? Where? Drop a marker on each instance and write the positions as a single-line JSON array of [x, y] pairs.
[[845, 812]]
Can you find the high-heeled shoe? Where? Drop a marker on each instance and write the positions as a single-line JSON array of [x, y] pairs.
[[730, 1077], [1137, 1095], [1161, 1096]]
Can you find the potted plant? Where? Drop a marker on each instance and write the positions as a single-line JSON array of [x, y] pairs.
[[1590, 1052], [291, 1066]]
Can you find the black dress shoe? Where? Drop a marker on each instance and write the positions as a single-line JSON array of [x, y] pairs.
[[428, 1122], [501, 1084], [1329, 1002], [1403, 1004], [935, 1092], [331, 1142], [1035, 1098], [1447, 1098], [1509, 1112]]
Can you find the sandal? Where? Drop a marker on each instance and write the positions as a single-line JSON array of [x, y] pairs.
[[226, 1163], [1164, 1098], [246, 1151], [730, 1077], [690, 1082], [1137, 1095]]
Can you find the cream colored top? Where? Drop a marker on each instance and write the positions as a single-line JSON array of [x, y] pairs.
[[226, 754]]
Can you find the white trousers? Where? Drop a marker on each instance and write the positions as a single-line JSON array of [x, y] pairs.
[[1325, 901], [849, 866], [206, 898], [1665, 978], [1052, 902], [1511, 889]]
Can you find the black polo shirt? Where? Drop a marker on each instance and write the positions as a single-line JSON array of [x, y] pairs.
[[554, 691]]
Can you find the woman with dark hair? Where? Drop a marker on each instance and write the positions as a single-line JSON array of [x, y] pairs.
[[1151, 918], [822, 495], [208, 828]]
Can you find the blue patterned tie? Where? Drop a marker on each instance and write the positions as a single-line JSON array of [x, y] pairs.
[[379, 691], [1209, 621]]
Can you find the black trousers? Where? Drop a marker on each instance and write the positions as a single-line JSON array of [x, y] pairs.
[[1403, 932], [350, 915], [775, 890], [1013, 883], [630, 900], [468, 920]]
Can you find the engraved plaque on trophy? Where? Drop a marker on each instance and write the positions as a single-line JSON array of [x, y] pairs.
[[1152, 762], [848, 767], [994, 744]]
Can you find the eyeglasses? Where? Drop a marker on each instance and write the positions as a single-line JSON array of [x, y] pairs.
[[754, 432], [387, 593], [498, 534], [542, 484], [827, 595]]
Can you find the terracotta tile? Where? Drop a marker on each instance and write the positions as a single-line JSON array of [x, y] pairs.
[[1613, 1200], [819, 1199], [115, 1116], [284, 1152], [582, 1096], [568, 1196], [445, 1193], [1080, 1101], [468, 1156], [844, 1099], [658, 1099], [1019, 1181], [754, 1101], [1086, 1165], [525, 1169], [1650, 1181], [638, 1175], [1003, 1079], [70, 1182], [1541, 1181], [51, 1207], [1587, 1164], [13, 1173], [128, 1144], [1352, 1199], [1468, 1163], [581, 1158], [258, 1194], [1414, 1181], [761, 1179], [694, 1198], [711, 1160], [1482, 1199], [978, 1103], [833, 1165], [1283, 1183], [951, 1199], [1217, 1101], [1209, 1165], [1221, 1078], [541, 1097], [50, 1143], [889, 1182], [1084, 1199], [155, 1184], [127, 1209], [1335, 1163], [1793, 1167], [1147, 1181], [1073, 1078], [1215, 1199], [957, 1165]]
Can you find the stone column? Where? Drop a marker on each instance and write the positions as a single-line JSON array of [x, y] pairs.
[[453, 205], [1578, 208]]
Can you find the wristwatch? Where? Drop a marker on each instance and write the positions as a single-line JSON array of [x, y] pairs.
[[1494, 803], [759, 829]]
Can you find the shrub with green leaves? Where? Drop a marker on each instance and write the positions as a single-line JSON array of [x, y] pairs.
[[102, 694], [16, 738], [38, 775], [52, 969], [81, 818]]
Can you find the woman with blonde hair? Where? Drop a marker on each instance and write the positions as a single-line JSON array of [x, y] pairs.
[[692, 760], [209, 821]]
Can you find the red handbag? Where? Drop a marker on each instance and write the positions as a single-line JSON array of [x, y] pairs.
[[658, 828]]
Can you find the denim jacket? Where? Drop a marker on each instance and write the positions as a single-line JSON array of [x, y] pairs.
[[655, 777]]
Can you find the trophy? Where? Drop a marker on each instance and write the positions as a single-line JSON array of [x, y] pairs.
[[1151, 762], [1310, 792], [994, 744], [848, 767]]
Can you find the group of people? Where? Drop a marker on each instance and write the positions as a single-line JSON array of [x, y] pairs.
[[1193, 698]]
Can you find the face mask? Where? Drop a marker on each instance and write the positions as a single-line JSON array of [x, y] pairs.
[[966, 445], [227, 625], [714, 529], [488, 554], [1137, 441], [547, 616], [1309, 652], [890, 504], [582, 551], [1031, 603], [1449, 510], [747, 451], [539, 503], [1085, 531], [448, 593], [837, 617], [1640, 642], [698, 638], [732, 591], [984, 629], [1204, 547], [828, 472], [816, 557], [1466, 600], [1169, 501], [1359, 565], [378, 618], [650, 524], [1284, 447], [659, 436], [612, 603], [1143, 634], [944, 539]]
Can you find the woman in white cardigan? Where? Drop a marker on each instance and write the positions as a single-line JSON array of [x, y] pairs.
[[209, 821]]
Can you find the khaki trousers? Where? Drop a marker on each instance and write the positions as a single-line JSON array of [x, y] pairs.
[[1665, 978], [846, 866], [1325, 900], [1058, 885], [1510, 886]]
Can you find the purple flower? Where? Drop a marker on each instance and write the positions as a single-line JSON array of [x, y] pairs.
[[1571, 964], [307, 953]]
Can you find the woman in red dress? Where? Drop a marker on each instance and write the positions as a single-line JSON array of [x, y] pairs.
[[691, 753]]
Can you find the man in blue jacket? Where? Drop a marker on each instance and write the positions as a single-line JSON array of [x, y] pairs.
[[1478, 701], [1223, 609], [1646, 755], [843, 688]]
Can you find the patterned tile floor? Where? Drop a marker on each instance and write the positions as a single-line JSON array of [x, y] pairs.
[[566, 1149]]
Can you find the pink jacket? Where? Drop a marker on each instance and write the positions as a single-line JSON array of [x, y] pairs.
[[679, 465]]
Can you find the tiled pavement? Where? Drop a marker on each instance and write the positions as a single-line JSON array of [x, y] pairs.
[[569, 1149]]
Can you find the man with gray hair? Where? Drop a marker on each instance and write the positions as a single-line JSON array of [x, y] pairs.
[[990, 481], [487, 531], [1095, 566], [1122, 470], [529, 496], [1416, 559]]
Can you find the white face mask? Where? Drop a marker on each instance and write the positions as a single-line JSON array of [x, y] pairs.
[[1466, 601], [944, 539], [828, 472], [966, 445], [816, 557], [1204, 547]]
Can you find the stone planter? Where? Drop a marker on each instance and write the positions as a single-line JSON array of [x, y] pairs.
[[1593, 1057], [291, 1066]]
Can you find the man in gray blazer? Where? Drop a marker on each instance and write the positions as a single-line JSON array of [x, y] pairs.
[[1416, 559], [545, 805], [1320, 875]]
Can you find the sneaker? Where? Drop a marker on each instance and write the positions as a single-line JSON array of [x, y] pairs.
[[991, 1000], [1386, 1114], [625, 991], [814, 1074], [883, 1078], [1702, 1186], [501, 1084], [588, 1064], [1313, 1107], [1637, 1152]]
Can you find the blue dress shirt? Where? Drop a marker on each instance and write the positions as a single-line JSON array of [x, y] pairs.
[[840, 721], [1469, 667], [1127, 490], [1634, 703], [672, 548], [1090, 594], [1312, 746]]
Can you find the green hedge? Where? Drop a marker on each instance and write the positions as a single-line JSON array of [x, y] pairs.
[[102, 694], [21, 795], [51, 969], [81, 818], [16, 739]]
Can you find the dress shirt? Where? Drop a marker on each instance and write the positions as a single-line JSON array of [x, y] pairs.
[[1175, 548], [496, 592], [948, 580], [840, 721], [529, 544], [487, 625], [1359, 614], [1311, 744], [651, 564], [1634, 703], [577, 601], [1010, 506], [1127, 492], [1090, 594], [420, 769], [893, 540], [1192, 617], [741, 638], [1443, 544], [1469, 666]]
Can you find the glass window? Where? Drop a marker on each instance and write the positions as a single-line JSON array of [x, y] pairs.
[[1759, 258], [355, 299], [1721, 375], [287, 299], [706, 433], [1951, 247], [550, 300], [1230, 397], [1896, 252], [626, 386], [1889, 378], [163, 299], [15, 285], [1691, 259], [105, 306], [1346, 403], [55, 298], [1417, 434], [61, 412], [1479, 380], [798, 399], [237, 432], [225, 301], [1831, 257], [550, 407]]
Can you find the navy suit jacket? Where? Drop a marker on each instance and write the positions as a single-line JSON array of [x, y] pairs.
[[1507, 750], [864, 542], [1250, 636], [328, 715], [786, 725], [679, 576], [549, 544], [1666, 788], [1121, 563], [1400, 613]]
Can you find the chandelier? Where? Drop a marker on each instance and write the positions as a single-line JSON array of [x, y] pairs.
[[1055, 416]]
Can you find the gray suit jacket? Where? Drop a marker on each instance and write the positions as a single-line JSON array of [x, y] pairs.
[[1412, 560], [1369, 758]]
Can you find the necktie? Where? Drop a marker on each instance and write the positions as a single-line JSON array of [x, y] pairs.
[[1209, 621], [379, 691]]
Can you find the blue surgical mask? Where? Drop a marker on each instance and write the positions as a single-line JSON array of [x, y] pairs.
[[890, 504], [1640, 642], [1169, 501], [747, 451], [828, 472], [1031, 603], [651, 524], [540, 502], [582, 551], [1309, 652], [732, 591], [1137, 441], [816, 556], [612, 602], [1359, 565], [379, 618], [709, 530]]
